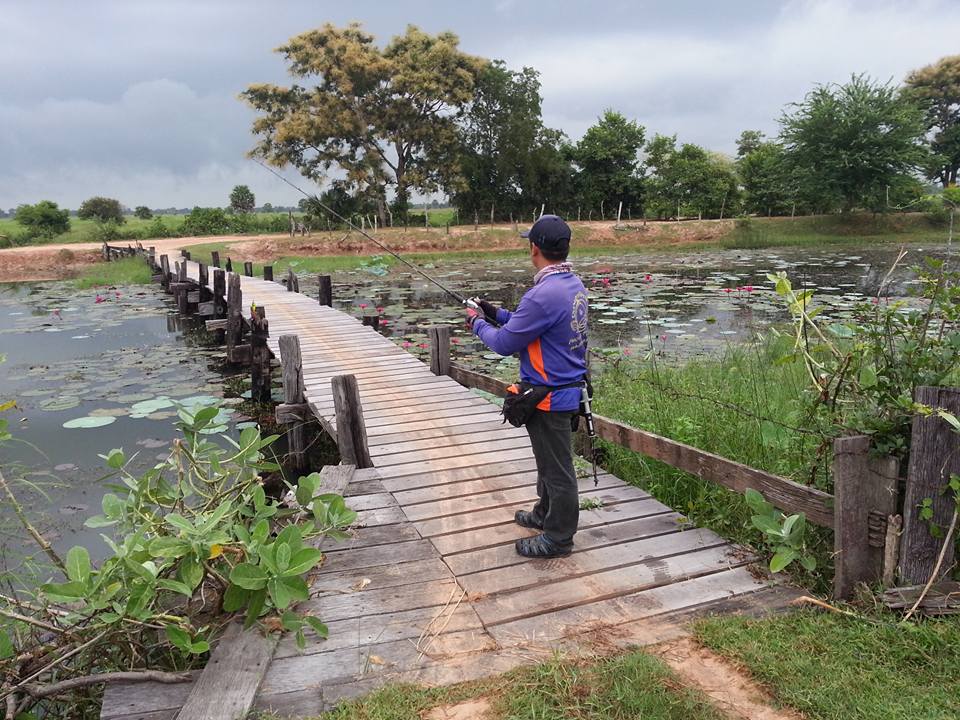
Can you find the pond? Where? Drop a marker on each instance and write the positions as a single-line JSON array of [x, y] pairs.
[[678, 304], [115, 361]]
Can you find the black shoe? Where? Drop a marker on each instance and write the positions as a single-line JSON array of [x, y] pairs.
[[540, 546], [526, 519]]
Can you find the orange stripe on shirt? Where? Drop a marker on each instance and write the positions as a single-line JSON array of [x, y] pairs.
[[536, 359]]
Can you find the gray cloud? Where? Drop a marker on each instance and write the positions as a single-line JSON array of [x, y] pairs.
[[139, 100]]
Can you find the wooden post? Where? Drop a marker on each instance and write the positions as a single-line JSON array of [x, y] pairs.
[[165, 272], [260, 390], [186, 255], [152, 256], [619, 211], [294, 394], [229, 265], [439, 349], [105, 251], [326, 290], [219, 291], [268, 273], [293, 282], [215, 258], [234, 334], [351, 430], [934, 457], [371, 321], [203, 278], [248, 268], [865, 493]]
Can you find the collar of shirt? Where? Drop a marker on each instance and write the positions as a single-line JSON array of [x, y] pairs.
[[555, 269]]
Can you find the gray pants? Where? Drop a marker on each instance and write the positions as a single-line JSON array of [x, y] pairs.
[[558, 509]]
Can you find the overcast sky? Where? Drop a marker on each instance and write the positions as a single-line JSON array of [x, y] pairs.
[[137, 99]]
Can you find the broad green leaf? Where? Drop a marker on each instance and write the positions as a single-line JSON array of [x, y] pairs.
[[809, 562], [176, 586], [278, 593], [116, 459], [78, 564], [318, 627], [303, 561], [90, 421], [235, 598], [6, 645], [223, 509], [199, 647], [868, 376], [261, 531], [180, 523], [297, 587], [766, 524], [249, 577], [756, 502], [112, 506], [257, 602], [290, 621], [190, 571], [282, 558], [178, 637], [168, 547], [64, 591], [291, 535], [781, 559]]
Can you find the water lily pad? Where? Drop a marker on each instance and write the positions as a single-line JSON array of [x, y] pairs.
[[89, 421], [63, 402], [145, 407]]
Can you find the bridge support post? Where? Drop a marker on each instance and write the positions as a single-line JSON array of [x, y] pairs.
[[294, 393], [219, 293], [326, 290], [215, 258], [293, 282], [865, 496], [439, 349], [236, 352], [351, 430], [229, 266], [259, 356], [165, 273], [248, 268], [268, 273]]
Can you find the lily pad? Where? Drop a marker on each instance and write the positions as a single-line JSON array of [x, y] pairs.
[[89, 421], [63, 402]]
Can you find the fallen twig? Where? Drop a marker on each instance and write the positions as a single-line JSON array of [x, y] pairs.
[[34, 533], [42, 691], [947, 542]]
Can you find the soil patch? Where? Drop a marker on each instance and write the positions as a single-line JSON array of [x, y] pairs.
[[727, 687], [476, 709]]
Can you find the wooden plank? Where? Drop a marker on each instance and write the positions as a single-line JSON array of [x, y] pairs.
[[381, 516], [439, 339], [490, 447], [375, 602], [432, 435], [453, 436], [933, 459], [369, 536], [351, 558], [504, 513], [528, 480], [635, 606], [452, 475], [334, 479], [141, 700], [347, 582], [229, 682], [508, 532], [505, 554], [425, 466], [589, 562], [371, 501], [861, 484], [504, 607]]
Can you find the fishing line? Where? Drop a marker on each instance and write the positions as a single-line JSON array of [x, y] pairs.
[[313, 198]]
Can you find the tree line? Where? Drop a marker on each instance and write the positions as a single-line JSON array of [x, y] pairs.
[[376, 125]]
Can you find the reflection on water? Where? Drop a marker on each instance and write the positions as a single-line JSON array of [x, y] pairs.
[[75, 353]]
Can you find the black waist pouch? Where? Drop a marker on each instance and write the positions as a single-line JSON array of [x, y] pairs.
[[521, 402]]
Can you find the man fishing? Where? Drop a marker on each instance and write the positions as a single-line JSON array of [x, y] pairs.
[[549, 330]]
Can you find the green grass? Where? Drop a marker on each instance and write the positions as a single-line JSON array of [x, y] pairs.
[[85, 230], [631, 686], [825, 230], [126, 271], [832, 667], [736, 406]]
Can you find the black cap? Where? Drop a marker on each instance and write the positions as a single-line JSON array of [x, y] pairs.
[[549, 233]]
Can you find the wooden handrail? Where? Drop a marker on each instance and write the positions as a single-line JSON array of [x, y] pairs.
[[785, 494]]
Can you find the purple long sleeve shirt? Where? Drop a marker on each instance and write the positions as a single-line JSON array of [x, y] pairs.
[[549, 330]]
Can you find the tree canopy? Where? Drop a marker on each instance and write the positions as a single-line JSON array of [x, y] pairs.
[[242, 200], [43, 219], [847, 143], [102, 209], [607, 158], [689, 181], [383, 117], [143, 212], [937, 88]]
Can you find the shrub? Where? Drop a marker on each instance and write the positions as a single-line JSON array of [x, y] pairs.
[[206, 221], [105, 231], [45, 219], [102, 209], [143, 212]]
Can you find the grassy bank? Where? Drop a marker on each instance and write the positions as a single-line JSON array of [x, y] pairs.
[[750, 233], [744, 405], [831, 666], [126, 271], [632, 686]]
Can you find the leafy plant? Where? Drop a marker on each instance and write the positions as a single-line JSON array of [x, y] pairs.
[[193, 540], [784, 535]]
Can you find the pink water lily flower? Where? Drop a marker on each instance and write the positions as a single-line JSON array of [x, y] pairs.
[[380, 310], [363, 306], [407, 343], [99, 299]]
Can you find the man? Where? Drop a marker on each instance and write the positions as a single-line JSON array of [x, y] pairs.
[[549, 330]]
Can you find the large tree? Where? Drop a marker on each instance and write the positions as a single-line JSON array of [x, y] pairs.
[[761, 165], [937, 88], [847, 143], [101, 208], [689, 181], [607, 157], [43, 219], [242, 200], [384, 117]]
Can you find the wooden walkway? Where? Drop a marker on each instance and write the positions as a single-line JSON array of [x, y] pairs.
[[429, 588]]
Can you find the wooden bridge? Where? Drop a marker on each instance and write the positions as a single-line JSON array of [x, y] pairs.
[[429, 588]]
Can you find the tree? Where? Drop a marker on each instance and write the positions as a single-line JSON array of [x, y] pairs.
[[102, 209], [937, 88], [143, 212], [607, 157], [689, 181], [242, 200], [846, 143], [267, 208], [385, 117], [761, 165], [44, 219]]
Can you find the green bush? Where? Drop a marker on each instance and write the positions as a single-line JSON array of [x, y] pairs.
[[43, 220], [206, 221], [102, 209]]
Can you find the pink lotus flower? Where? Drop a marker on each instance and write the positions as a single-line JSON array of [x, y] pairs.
[[424, 345], [728, 290], [99, 299], [648, 277], [626, 351], [363, 306], [117, 293], [380, 310], [606, 282], [407, 344], [748, 288], [663, 338], [384, 323], [455, 341]]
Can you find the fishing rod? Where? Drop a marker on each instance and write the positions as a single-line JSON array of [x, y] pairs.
[[471, 303]]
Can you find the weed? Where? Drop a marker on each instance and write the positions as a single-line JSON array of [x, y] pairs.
[[126, 271]]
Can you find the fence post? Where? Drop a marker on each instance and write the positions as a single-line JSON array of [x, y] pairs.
[[326, 290], [294, 394], [865, 494], [351, 430], [439, 349], [215, 258], [248, 268], [934, 457], [219, 291], [203, 277], [259, 356], [234, 334], [165, 272], [268, 273], [229, 266], [293, 282]]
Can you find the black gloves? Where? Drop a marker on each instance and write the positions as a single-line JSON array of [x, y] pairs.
[[489, 309]]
